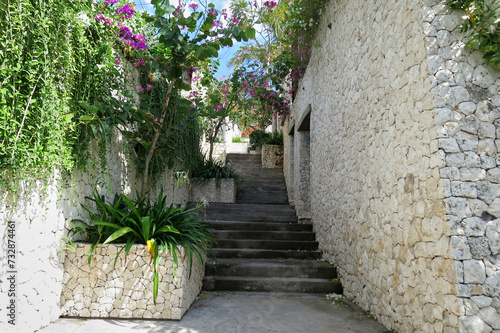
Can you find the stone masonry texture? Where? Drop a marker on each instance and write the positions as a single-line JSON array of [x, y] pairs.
[[103, 289], [404, 164]]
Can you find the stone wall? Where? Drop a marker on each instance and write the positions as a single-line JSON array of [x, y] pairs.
[[209, 191], [102, 290], [42, 212], [272, 156], [467, 115], [404, 189]]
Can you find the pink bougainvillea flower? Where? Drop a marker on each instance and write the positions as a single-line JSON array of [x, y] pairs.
[[125, 32], [126, 11]]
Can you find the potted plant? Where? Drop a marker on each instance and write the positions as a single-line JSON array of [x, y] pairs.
[[158, 231]]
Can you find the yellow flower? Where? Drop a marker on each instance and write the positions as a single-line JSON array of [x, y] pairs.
[[151, 247]]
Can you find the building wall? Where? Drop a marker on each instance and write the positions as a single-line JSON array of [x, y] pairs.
[[42, 213], [404, 187]]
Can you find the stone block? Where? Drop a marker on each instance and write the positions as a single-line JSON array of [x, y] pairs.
[[474, 271]]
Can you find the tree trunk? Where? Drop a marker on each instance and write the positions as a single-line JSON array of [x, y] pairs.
[[149, 156]]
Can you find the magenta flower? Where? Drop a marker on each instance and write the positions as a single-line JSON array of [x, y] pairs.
[[149, 86], [111, 2], [126, 11], [125, 32], [141, 89], [218, 107], [193, 6], [118, 61], [212, 12], [235, 20]]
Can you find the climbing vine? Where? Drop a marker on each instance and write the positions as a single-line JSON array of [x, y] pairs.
[[52, 55], [482, 25]]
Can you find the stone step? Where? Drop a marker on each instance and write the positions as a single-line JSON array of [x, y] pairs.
[[270, 268], [296, 245], [220, 235], [257, 226], [263, 201], [271, 284], [263, 254], [257, 209], [234, 216]]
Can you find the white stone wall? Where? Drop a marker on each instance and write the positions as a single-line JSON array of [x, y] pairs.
[[376, 192], [467, 114], [125, 290], [210, 192], [42, 212]]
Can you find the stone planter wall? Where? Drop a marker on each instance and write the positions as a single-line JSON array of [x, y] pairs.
[[100, 290], [237, 147], [225, 193], [272, 156]]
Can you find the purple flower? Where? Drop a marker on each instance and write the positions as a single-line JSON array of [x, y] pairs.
[[148, 87], [193, 6], [141, 89], [218, 107], [125, 32], [111, 2], [212, 12], [118, 61], [139, 62], [235, 20], [126, 11]]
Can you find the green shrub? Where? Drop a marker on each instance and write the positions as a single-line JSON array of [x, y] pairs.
[[260, 137], [238, 139], [207, 169], [159, 225]]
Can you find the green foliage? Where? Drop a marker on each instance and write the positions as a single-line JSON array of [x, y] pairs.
[[260, 137], [209, 169], [51, 55], [482, 25], [159, 225], [238, 139]]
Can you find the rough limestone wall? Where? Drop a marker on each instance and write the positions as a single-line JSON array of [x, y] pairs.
[[377, 198], [467, 101], [102, 289], [42, 213]]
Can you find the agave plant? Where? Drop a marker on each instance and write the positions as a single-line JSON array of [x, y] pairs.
[[158, 225]]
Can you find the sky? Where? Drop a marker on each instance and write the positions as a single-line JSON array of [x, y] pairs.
[[225, 54]]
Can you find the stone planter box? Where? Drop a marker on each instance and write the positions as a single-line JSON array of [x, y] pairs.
[[225, 193], [237, 147], [100, 290], [272, 156]]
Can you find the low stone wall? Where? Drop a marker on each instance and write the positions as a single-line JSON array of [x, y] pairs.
[[272, 156], [100, 290], [237, 147], [210, 192]]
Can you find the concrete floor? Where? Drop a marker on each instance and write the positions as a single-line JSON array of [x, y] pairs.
[[230, 312]]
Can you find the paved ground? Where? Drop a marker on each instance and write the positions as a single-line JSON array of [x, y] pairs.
[[224, 312]]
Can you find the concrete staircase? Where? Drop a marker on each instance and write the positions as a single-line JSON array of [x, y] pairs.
[[261, 247]]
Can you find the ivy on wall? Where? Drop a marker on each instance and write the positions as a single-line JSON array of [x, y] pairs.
[[482, 25], [51, 56]]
